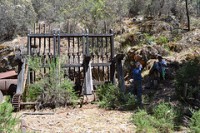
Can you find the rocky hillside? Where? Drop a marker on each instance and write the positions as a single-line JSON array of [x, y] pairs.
[[150, 38]]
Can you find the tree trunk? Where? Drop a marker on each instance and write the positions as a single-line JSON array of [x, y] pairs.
[[187, 13], [198, 8]]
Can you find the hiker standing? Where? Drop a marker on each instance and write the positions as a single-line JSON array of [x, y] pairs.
[[160, 67], [137, 77]]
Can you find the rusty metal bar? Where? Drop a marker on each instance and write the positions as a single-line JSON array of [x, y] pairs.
[[39, 28], [44, 52], [98, 58], [102, 55], [54, 44], [106, 56], [87, 43], [73, 55], [44, 39], [112, 67], [58, 35], [79, 67], [41, 35], [49, 46], [39, 46], [35, 26], [69, 56], [70, 35]]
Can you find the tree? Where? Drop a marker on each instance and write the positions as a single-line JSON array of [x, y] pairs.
[[187, 13], [16, 17]]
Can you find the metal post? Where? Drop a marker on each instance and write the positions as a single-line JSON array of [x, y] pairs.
[[87, 44], [29, 43], [58, 43], [112, 43], [83, 38], [112, 66], [35, 25], [54, 43]]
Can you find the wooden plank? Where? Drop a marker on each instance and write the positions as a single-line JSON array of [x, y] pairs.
[[120, 72], [21, 79], [88, 83]]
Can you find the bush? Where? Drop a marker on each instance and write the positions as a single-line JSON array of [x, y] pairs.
[[52, 90], [7, 121], [110, 97], [188, 75], [162, 40], [143, 121], [195, 122], [15, 18], [162, 119], [164, 115]]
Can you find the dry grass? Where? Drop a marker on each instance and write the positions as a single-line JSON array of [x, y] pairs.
[[89, 118]]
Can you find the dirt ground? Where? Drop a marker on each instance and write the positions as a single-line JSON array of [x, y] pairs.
[[88, 119]]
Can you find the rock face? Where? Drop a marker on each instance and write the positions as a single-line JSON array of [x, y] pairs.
[[154, 27], [147, 52], [8, 52], [143, 55], [7, 59]]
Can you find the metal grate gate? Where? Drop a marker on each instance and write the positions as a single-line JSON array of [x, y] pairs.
[[76, 51]]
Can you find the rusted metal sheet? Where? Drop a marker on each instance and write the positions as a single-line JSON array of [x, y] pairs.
[[8, 74], [5, 83]]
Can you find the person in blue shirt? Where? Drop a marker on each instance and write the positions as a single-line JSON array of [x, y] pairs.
[[137, 77]]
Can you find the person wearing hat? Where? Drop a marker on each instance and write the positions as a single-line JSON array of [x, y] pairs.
[[137, 77]]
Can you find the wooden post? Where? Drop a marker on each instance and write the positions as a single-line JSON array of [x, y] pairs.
[[21, 78], [120, 72], [88, 83]]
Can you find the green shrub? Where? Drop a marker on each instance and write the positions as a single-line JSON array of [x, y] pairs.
[[7, 121], [188, 74], [110, 97], [34, 90], [149, 39], [34, 63], [52, 89], [143, 121], [162, 40], [162, 119], [164, 115], [128, 101], [164, 110], [195, 122]]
